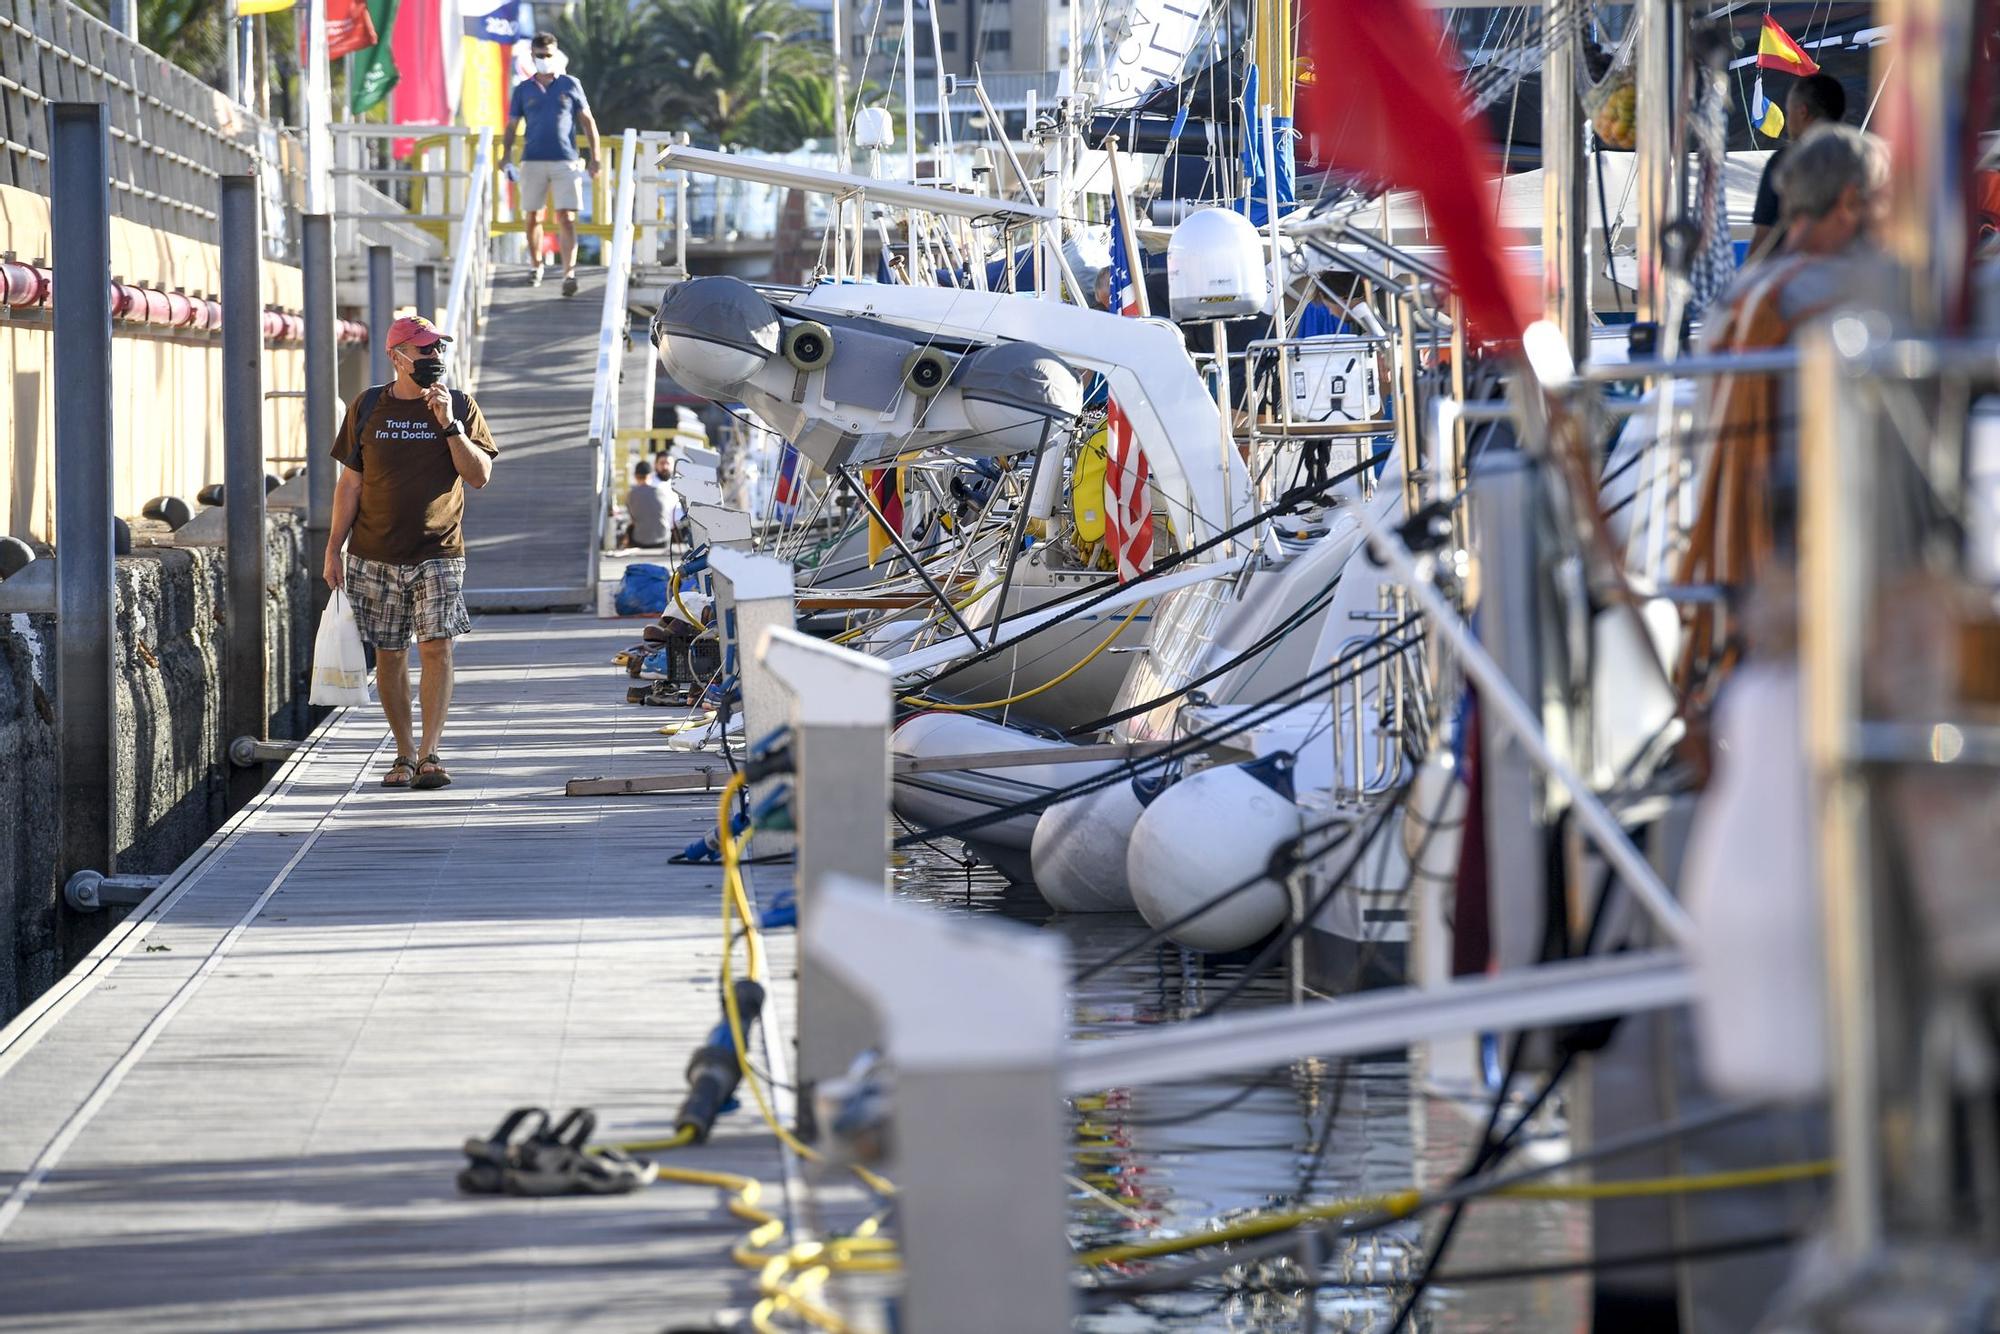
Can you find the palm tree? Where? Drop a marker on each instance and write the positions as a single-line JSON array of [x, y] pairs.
[[717, 52], [191, 33], [614, 48], [798, 107]]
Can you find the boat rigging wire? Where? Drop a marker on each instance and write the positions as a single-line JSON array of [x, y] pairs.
[[1089, 597], [1254, 715]]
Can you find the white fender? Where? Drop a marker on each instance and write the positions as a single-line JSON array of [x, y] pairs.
[[1200, 837], [1080, 849]]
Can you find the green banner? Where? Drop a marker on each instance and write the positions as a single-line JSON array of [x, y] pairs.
[[371, 72]]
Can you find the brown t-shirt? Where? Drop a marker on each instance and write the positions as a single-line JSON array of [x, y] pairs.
[[412, 499]]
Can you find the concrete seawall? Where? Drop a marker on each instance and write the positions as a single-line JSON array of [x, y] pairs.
[[173, 771]]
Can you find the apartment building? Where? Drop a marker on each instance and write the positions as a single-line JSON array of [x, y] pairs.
[[997, 36]]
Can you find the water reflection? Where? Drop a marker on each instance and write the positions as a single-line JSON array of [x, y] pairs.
[[1179, 1158]]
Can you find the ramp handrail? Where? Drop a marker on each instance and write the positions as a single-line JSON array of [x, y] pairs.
[[611, 333], [471, 253]]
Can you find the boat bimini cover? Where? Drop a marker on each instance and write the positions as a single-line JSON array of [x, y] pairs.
[[1022, 376]]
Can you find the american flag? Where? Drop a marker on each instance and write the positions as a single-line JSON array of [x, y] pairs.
[[1128, 500], [785, 495]]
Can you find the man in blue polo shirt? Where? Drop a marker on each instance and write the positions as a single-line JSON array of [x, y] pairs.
[[553, 172]]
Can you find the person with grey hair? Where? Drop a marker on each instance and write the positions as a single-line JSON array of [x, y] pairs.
[[1833, 184], [1833, 189]]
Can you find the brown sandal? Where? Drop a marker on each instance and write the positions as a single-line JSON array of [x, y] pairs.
[[431, 773], [405, 766]]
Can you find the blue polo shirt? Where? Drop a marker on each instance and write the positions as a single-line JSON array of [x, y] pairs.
[[551, 114]]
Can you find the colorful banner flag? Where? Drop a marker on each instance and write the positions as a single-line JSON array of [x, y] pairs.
[[885, 488], [1397, 116], [1765, 114], [1128, 489], [483, 100], [424, 93], [349, 28], [249, 8], [1776, 50], [491, 20], [373, 73]]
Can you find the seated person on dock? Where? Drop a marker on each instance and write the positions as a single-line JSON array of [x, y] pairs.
[[645, 509], [410, 448]]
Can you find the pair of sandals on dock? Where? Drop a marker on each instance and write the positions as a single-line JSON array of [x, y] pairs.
[[528, 1156], [425, 774]]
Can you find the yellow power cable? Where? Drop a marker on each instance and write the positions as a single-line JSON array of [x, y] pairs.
[[1401, 1203], [1775, 1175], [1082, 663], [679, 1140], [788, 1278], [848, 636], [735, 901]]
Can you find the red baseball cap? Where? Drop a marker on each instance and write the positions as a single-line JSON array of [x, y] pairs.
[[415, 329]]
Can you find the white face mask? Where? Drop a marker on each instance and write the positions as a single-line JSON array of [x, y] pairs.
[[545, 64]]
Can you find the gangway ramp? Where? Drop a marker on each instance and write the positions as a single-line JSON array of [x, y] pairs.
[[531, 533]]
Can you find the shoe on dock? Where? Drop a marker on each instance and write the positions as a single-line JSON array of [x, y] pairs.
[[549, 1161]]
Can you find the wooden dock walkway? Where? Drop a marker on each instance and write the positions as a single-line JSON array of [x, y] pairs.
[[244, 1111]]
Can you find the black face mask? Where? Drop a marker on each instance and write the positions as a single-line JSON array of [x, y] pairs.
[[427, 371]]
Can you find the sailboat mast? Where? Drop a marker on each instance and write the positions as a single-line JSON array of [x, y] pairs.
[[1662, 38], [910, 119], [1565, 210]]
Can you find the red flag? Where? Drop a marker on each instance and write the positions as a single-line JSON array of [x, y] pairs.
[[349, 28], [1397, 115]]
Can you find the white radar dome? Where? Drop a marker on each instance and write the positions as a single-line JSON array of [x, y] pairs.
[[1215, 267], [874, 127]]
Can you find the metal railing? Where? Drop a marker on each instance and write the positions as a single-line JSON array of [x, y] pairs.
[[612, 332], [471, 250], [383, 199], [172, 137]]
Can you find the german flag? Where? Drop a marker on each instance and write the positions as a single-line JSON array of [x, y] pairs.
[[1776, 50]]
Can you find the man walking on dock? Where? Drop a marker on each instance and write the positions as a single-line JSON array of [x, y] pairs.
[[410, 448], [552, 170]]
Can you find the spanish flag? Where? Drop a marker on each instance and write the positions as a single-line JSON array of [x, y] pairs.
[[1776, 50]]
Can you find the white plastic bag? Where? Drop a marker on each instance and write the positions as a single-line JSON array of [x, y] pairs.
[[340, 669]]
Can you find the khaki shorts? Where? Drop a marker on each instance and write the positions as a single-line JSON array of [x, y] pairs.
[[392, 602], [563, 182]]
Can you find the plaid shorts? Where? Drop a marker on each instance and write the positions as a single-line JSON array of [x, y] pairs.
[[390, 601]]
